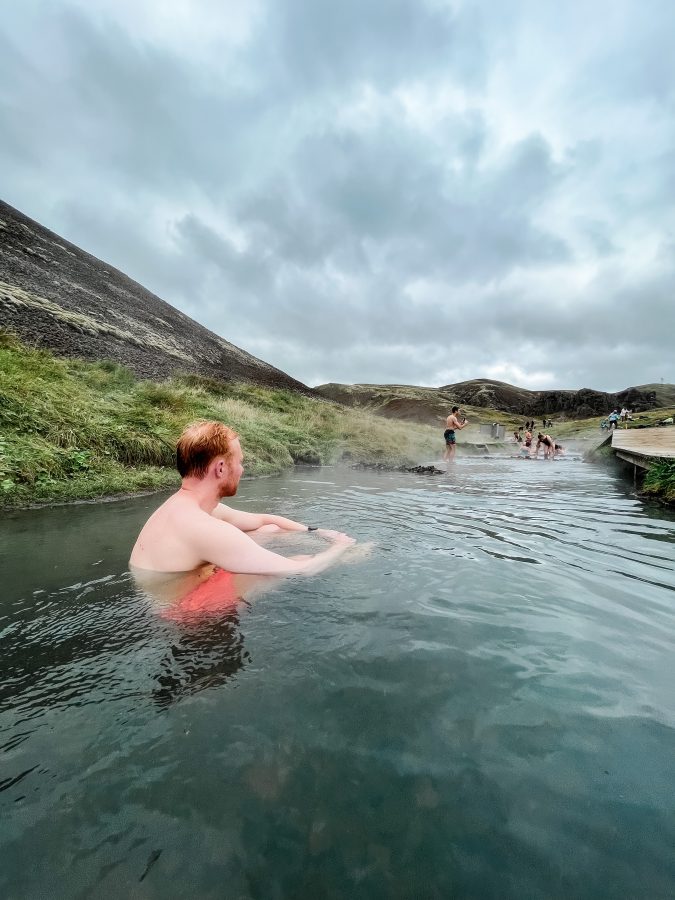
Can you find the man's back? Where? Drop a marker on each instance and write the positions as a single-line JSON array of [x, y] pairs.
[[163, 544]]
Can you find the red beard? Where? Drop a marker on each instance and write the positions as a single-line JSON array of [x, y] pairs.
[[228, 488]]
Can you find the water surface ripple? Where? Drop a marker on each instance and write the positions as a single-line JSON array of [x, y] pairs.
[[482, 707]]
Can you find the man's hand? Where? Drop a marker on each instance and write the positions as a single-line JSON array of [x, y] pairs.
[[337, 537]]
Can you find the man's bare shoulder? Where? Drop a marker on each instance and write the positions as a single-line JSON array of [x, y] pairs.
[[179, 513]]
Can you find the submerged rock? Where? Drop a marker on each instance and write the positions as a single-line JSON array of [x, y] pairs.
[[387, 467]]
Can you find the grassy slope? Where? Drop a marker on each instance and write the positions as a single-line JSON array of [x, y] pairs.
[[73, 430]]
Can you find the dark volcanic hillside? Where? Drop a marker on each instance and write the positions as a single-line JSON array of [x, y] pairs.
[[429, 405], [57, 296], [576, 404]]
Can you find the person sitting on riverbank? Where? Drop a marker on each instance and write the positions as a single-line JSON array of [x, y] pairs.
[[192, 527]]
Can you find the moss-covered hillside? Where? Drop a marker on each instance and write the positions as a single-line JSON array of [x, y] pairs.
[[71, 429]]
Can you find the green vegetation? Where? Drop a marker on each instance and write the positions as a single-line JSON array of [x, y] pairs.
[[650, 417], [70, 429], [660, 480]]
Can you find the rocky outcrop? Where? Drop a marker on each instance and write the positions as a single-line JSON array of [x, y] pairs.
[[430, 405], [55, 295], [579, 404]]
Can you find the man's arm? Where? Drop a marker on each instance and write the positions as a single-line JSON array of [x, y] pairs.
[[252, 521], [225, 545]]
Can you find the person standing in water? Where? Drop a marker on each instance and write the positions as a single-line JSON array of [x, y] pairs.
[[193, 527], [452, 425], [547, 442]]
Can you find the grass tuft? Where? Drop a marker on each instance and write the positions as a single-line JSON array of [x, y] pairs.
[[660, 480]]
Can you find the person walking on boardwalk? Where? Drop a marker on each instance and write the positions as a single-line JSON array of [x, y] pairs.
[[452, 425]]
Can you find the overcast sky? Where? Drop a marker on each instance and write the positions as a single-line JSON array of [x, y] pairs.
[[366, 190]]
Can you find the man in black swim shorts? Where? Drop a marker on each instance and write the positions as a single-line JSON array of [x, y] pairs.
[[452, 424]]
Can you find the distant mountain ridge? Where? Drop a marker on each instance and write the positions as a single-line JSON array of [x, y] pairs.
[[56, 295], [429, 405], [581, 403]]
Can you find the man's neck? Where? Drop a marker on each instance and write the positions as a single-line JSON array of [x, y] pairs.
[[201, 492]]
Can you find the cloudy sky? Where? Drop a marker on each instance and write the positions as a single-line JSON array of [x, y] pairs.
[[411, 191]]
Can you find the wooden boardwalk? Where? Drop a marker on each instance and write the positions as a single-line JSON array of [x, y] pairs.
[[642, 446]]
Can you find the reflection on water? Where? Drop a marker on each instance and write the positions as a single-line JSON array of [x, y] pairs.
[[206, 652], [483, 707], [208, 646]]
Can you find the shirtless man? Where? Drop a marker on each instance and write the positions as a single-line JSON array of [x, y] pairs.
[[452, 424], [547, 442], [192, 527]]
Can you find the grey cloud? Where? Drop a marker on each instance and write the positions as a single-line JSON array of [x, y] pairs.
[[345, 189], [384, 41], [130, 109], [642, 67], [248, 270], [598, 234]]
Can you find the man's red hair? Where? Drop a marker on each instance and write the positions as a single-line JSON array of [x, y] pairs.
[[199, 444]]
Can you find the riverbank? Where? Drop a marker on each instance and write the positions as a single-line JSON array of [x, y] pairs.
[[74, 430], [656, 483], [659, 481]]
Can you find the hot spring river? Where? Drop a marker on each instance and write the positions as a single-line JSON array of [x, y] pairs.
[[484, 707]]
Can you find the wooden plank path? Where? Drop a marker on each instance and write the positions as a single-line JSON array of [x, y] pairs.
[[642, 446]]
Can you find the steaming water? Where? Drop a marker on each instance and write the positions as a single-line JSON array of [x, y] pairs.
[[482, 708]]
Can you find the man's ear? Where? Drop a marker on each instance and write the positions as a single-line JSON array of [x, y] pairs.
[[219, 467]]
